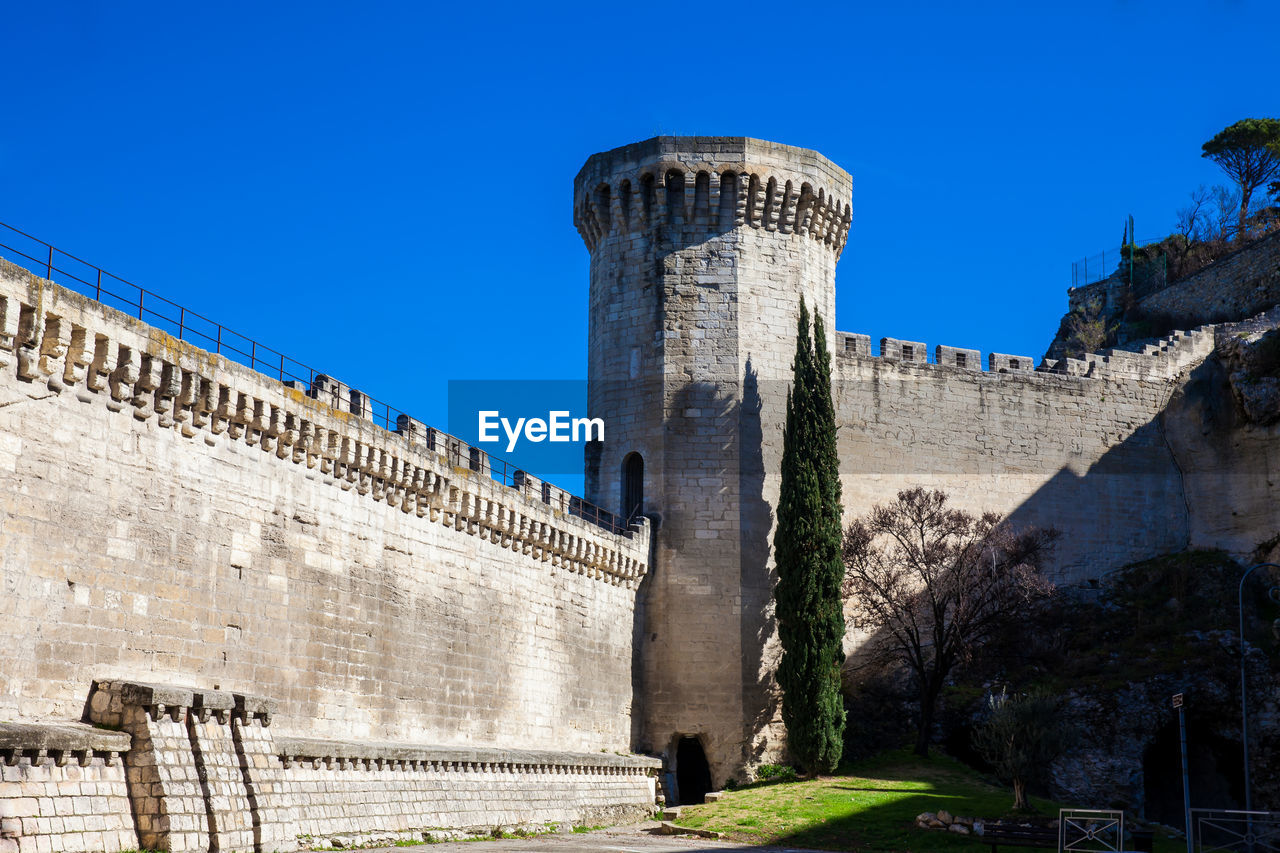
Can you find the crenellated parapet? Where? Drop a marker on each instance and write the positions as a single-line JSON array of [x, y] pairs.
[[56, 339], [1163, 359], [689, 186]]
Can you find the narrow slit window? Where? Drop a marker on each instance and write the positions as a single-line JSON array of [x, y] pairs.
[[632, 487]]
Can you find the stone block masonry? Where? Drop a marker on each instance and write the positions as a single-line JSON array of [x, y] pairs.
[[167, 516], [203, 771], [1233, 288], [1076, 445], [701, 250], [372, 790], [62, 787]]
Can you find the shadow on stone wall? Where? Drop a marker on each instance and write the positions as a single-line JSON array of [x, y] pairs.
[[1189, 466], [758, 625]]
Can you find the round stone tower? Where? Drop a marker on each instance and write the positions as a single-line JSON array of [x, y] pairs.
[[701, 249]]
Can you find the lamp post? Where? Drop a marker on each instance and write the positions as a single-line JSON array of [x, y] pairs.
[[1244, 696]]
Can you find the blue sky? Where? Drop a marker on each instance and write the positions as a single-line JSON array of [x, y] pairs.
[[383, 191]]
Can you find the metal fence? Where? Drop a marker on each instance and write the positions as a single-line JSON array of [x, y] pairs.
[[1099, 266], [83, 277], [1090, 831], [1237, 831]]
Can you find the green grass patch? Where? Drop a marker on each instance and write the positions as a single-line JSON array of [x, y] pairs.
[[872, 805]]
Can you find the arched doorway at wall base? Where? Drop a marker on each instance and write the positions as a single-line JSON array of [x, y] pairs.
[[693, 773]]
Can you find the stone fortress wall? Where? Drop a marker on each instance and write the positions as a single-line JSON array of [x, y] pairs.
[[1076, 445], [171, 517], [180, 535], [700, 249]]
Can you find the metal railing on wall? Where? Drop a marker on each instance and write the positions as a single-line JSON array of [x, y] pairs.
[[1099, 266], [90, 280]]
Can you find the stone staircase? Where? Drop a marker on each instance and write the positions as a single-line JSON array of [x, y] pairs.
[[1164, 358]]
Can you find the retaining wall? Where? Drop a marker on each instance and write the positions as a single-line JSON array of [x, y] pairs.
[[190, 770]]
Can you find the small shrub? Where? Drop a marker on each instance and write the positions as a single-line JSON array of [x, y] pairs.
[[775, 773], [1088, 329]]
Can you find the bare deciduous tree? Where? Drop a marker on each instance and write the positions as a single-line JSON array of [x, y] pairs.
[[1193, 220], [935, 583]]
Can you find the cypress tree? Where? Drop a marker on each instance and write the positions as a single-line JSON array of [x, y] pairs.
[[806, 548]]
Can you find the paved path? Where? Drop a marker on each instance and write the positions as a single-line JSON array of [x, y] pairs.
[[634, 838]]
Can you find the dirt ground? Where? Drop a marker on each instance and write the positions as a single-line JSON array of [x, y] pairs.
[[633, 838]]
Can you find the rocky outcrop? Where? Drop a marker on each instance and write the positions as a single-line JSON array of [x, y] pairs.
[[1252, 363], [1128, 734]]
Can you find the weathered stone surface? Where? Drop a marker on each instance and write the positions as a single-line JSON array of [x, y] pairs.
[[200, 779], [1231, 288], [1252, 364], [218, 528], [146, 695], [20, 737], [310, 749], [63, 788], [699, 259], [701, 250], [169, 516]]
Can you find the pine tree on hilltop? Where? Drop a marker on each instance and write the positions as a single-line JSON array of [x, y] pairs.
[[807, 546]]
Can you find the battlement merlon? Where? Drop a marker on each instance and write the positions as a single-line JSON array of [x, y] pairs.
[[712, 184]]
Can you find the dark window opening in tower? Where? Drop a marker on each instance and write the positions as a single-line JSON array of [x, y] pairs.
[[603, 211], [624, 201], [770, 208], [701, 197], [675, 195], [693, 774], [728, 199], [804, 208], [632, 487]]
